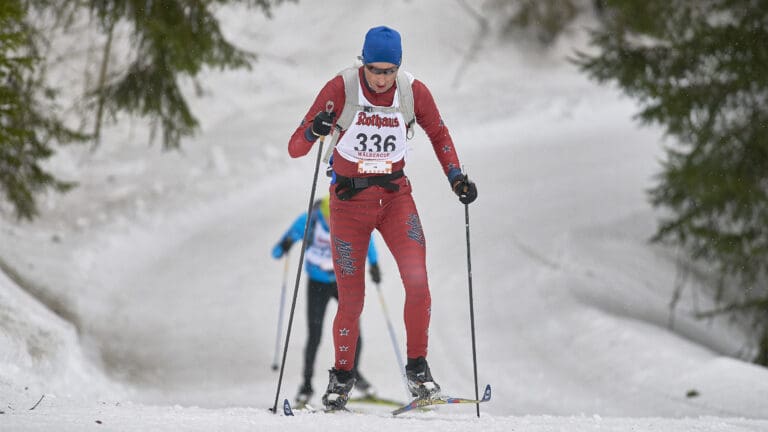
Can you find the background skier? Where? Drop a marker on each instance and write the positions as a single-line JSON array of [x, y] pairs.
[[321, 287]]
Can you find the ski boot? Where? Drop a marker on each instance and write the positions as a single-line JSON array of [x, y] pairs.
[[420, 381], [304, 395], [340, 383]]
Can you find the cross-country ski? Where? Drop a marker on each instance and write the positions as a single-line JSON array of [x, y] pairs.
[[442, 400]]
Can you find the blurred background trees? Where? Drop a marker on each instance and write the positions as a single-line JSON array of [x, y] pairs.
[[700, 71], [28, 129], [164, 42]]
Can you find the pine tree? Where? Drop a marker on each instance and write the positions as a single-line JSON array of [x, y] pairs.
[[700, 70], [26, 134], [172, 40]]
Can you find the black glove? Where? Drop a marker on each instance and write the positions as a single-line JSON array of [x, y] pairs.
[[375, 273], [281, 248], [321, 125], [464, 188]]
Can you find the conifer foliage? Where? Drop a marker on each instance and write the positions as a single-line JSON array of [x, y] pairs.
[[27, 129], [700, 70], [171, 40]]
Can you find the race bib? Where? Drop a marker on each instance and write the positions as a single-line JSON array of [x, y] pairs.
[[375, 139]]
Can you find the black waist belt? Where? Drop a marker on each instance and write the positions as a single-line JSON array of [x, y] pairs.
[[347, 187]]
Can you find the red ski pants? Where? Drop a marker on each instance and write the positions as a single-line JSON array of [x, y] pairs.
[[394, 215]]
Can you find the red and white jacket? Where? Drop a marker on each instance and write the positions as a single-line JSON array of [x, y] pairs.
[[425, 109]]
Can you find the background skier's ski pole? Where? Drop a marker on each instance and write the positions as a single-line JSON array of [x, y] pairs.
[[393, 337], [328, 108], [280, 315], [471, 305]]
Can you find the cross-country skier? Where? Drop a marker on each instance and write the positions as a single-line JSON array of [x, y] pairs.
[[321, 287], [370, 110]]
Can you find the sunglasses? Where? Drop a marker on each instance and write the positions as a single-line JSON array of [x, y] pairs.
[[379, 71]]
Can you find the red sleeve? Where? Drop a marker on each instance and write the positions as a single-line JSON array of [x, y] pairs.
[[428, 117], [333, 91]]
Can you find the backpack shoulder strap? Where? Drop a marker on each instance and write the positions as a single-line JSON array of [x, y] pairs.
[[349, 109], [404, 85], [351, 84]]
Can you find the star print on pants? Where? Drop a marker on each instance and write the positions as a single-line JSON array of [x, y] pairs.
[[344, 332]]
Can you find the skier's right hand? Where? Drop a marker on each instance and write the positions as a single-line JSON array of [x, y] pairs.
[[321, 125], [282, 247]]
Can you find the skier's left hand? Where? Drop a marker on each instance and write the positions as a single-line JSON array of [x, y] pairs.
[[281, 248], [375, 273], [464, 188]]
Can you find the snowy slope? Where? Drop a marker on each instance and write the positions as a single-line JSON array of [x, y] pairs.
[[165, 298]]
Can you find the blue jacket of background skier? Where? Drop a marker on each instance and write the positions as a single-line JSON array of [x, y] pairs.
[[318, 259]]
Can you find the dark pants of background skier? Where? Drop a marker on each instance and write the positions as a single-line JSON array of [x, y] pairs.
[[318, 295]]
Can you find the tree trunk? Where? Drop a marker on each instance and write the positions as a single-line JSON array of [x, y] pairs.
[[100, 89]]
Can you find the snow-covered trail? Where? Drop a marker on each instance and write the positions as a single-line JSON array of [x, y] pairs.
[[108, 417], [192, 302]]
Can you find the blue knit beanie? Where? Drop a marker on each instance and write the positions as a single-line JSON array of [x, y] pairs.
[[382, 44]]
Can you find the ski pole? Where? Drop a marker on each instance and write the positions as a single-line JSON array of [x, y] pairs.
[[280, 314], [471, 305], [393, 337], [328, 109]]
